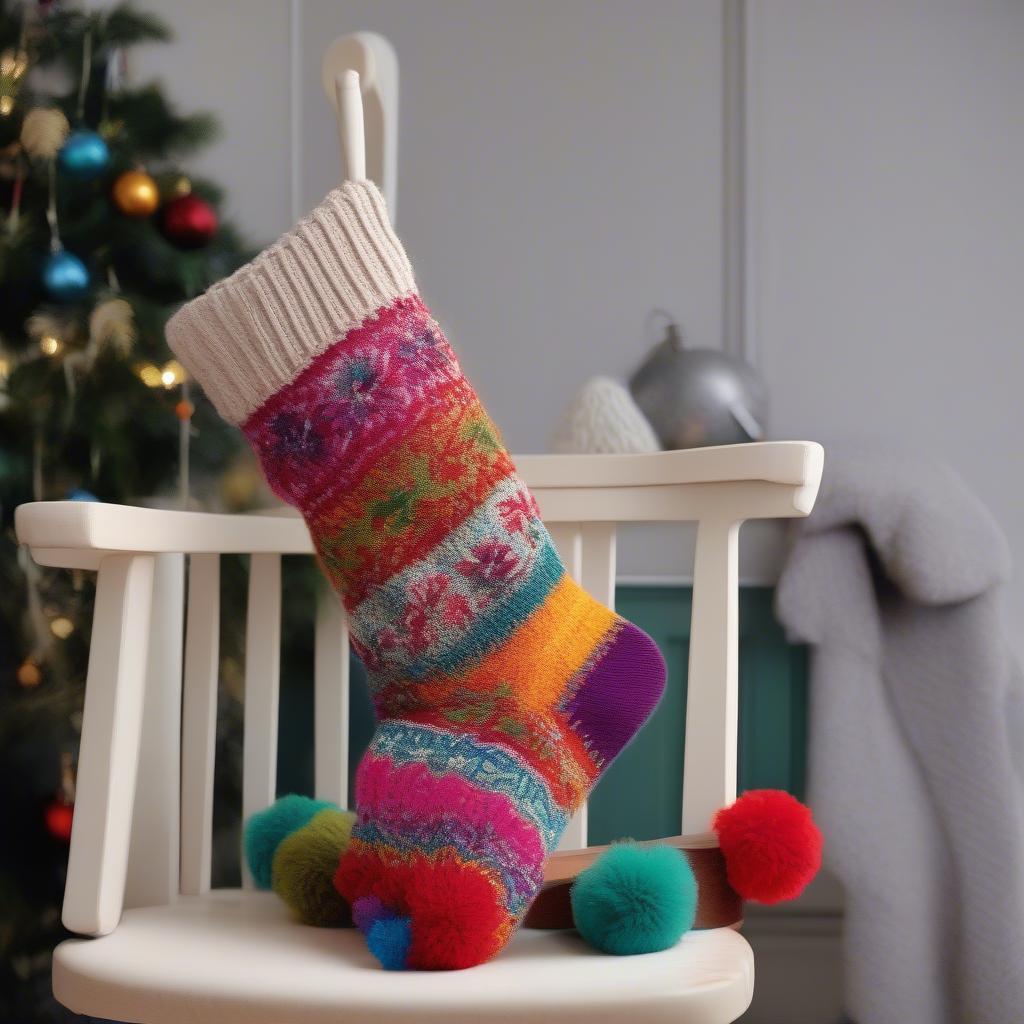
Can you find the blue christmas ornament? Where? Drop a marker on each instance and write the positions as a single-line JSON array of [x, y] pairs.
[[84, 156], [65, 276]]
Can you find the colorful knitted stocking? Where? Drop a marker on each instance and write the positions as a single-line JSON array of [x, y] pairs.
[[503, 690]]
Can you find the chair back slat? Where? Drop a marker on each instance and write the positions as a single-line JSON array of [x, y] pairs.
[[331, 700], [712, 689], [262, 681], [153, 861], [199, 722], [597, 561], [568, 541]]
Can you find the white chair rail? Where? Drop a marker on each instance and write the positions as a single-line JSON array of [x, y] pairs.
[[143, 818]]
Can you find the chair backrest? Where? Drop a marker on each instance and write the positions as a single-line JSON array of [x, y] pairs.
[[151, 699]]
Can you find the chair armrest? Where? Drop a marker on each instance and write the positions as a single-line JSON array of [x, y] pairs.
[[796, 464], [790, 469], [78, 534]]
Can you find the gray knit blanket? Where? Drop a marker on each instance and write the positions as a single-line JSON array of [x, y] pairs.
[[916, 751]]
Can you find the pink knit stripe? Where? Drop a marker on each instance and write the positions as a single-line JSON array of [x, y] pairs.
[[414, 794]]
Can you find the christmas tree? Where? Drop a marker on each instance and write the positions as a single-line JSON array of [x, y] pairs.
[[102, 235]]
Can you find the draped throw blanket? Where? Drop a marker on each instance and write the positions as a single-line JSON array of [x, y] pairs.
[[916, 757]]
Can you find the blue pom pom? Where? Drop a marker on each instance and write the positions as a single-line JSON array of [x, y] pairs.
[[265, 830], [389, 939], [635, 899]]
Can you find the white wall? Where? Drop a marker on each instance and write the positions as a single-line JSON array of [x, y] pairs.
[[885, 152], [886, 266], [559, 166]]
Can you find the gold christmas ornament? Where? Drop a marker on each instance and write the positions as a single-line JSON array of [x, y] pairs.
[[62, 627], [50, 345], [29, 674], [112, 325], [136, 194], [43, 132]]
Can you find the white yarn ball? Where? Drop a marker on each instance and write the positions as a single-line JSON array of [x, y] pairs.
[[604, 419]]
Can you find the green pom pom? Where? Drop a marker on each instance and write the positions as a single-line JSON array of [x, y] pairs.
[[635, 899], [265, 830], [304, 868]]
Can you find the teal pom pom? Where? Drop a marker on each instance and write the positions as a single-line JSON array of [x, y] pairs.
[[635, 899], [389, 939], [265, 830]]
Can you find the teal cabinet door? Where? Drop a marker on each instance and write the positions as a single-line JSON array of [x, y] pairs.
[[640, 795]]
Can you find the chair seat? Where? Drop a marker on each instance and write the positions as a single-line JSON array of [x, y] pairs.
[[236, 957]]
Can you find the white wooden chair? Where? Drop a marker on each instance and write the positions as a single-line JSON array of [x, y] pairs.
[[167, 948]]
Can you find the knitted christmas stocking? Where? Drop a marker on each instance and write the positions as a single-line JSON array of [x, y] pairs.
[[503, 690]]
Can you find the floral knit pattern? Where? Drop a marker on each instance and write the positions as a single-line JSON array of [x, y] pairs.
[[503, 690]]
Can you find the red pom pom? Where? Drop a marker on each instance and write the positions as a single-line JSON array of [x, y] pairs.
[[457, 916], [771, 845]]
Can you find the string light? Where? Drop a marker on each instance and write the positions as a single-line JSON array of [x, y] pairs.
[[50, 345], [172, 373], [13, 66], [149, 375], [168, 376]]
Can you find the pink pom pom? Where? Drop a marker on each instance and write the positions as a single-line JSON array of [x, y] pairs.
[[771, 845]]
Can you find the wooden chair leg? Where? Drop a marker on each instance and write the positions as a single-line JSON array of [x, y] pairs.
[[108, 758]]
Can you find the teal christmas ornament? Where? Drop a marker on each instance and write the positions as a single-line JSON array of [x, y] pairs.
[[65, 276], [84, 156]]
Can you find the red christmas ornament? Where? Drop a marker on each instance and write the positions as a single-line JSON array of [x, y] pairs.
[[58, 817], [60, 811], [771, 845], [188, 221]]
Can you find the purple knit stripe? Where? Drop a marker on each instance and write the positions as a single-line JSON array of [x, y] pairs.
[[619, 692]]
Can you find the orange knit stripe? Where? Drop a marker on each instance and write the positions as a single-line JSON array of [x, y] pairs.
[[543, 654]]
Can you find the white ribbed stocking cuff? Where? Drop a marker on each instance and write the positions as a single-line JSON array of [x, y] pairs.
[[255, 331]]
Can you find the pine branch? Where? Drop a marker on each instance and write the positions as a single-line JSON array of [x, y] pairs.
[[151, 128]]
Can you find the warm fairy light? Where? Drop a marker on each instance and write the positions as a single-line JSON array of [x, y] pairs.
[[172, 373], [49, 345], [13, 65], [5, 368], [6, 105], [62, 628], [151, 375]]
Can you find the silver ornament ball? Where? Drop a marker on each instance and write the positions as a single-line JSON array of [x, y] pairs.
[[698, 397]]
